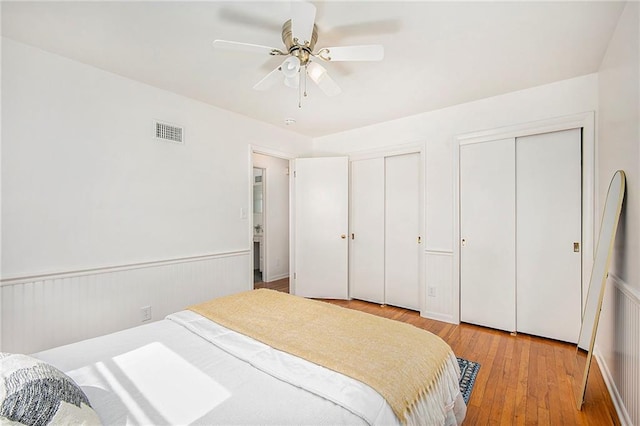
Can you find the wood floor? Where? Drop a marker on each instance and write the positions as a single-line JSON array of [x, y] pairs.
[[523, 380]]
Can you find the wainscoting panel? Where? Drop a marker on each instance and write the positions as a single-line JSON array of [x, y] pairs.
[[48, 311], [439, 285], [627, 349]]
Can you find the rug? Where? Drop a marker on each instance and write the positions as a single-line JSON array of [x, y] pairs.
[[469, 371]]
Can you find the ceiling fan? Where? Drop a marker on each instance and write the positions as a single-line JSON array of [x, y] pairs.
[[300, 35]]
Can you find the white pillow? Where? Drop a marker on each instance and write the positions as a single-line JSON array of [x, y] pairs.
[[33, 392]]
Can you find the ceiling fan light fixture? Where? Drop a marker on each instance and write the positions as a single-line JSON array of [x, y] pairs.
[[316, 72], [290, 67]]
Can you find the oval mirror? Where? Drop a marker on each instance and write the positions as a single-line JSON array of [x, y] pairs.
[[599, 273]]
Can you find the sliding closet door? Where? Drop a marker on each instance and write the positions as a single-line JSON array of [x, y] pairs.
[[487, 232], [402, 227], [366, 249], [549, 214]]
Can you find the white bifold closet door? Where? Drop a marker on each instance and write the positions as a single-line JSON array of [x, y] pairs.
[[385, 225], [487, 232]]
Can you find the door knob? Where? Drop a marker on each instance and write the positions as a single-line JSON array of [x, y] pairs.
[[343, 236]]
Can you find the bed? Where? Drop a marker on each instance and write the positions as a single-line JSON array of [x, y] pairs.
[[199, 366]]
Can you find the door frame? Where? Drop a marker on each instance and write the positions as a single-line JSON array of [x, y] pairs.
[[584, 121], [257, 149], [416, 147]]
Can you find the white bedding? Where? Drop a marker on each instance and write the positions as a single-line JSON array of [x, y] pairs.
[[187, 369]]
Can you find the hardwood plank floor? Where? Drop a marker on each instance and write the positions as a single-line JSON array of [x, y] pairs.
[[523, 380], [279, 285]]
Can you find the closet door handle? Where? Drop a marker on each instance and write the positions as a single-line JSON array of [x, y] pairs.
[[353, 236], [343, 236]]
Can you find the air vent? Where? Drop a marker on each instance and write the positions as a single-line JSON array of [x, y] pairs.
[[169, 132]]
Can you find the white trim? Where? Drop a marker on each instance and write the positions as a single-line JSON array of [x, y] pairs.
[[455, 273], [257, 149], [584, 120], [278, 277], [9, 281], [448, 318], [388, 151], [270, 152], [439, 252], [526, 129], [625, 288]]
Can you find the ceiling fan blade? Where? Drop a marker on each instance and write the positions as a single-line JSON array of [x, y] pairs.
[[249, 19], [303, 15], [370, 52], [269, 80], [318, 74], [245, 47]]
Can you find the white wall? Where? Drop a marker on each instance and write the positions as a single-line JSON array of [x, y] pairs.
[[85, 186], [276, 216], [619, 131], [437, 130], [619, 148]]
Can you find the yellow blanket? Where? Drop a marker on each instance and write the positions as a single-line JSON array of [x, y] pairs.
[[398, 360]]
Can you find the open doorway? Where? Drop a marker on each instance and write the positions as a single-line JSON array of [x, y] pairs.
[[258, 224], [270, 224]]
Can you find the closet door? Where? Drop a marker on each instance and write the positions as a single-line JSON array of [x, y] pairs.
[[402, 227], [321, 200], [366, 248], [487, 232], [549, 215]]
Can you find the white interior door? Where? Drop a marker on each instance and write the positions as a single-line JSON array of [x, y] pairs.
[[487, 233], [366, 251], [321, 226], [549, 187], [402, 229]]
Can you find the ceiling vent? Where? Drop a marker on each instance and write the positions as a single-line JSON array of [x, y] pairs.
[[169, 132]]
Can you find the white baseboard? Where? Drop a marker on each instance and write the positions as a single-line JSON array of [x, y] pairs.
[[278, 277], [438, 317]]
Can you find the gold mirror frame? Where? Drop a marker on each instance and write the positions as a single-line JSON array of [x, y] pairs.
[[595, 294]]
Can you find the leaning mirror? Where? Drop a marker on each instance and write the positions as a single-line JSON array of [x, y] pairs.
[[595, 293]]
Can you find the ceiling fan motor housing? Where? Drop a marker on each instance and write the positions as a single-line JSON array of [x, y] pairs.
[[299, 48]]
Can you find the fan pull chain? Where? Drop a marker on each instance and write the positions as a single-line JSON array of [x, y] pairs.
[[305, 81], [299, 92]]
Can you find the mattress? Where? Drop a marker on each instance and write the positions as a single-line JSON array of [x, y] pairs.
[[187, 369]]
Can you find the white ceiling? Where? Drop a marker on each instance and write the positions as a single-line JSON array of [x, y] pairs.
[[437, 54]]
